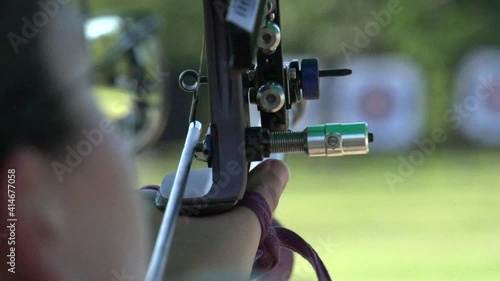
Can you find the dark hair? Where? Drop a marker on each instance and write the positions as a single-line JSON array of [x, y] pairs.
[[32, 109]]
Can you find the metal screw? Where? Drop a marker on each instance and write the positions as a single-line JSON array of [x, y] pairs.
[[332, 140]]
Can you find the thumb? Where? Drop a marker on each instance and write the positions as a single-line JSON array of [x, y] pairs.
[[269, 179]]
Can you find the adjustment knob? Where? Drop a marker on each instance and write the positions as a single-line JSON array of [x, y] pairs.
[[309, 78]]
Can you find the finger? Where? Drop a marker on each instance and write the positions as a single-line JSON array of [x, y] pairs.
[[269, 178]]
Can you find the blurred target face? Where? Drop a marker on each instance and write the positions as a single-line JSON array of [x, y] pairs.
[[129, 75], [477, 94]]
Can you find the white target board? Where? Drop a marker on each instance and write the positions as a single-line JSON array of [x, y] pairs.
[[387, 92], [475, 111]]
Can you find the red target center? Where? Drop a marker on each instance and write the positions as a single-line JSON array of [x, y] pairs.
[[377, 103]]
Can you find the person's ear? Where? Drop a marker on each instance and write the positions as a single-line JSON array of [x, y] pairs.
[[34, 216]]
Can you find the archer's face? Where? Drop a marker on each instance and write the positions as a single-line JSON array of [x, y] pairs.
[[78, 215]]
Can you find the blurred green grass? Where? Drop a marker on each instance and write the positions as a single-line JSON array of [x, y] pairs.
[[441, 224]]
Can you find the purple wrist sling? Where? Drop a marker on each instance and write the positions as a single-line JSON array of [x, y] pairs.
[[273, 238]]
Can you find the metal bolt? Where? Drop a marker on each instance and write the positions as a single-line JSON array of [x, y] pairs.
[[288, 141], [270, 97], [269, 38]]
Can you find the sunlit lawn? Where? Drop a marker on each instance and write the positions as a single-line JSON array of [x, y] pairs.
[[442, 224]]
